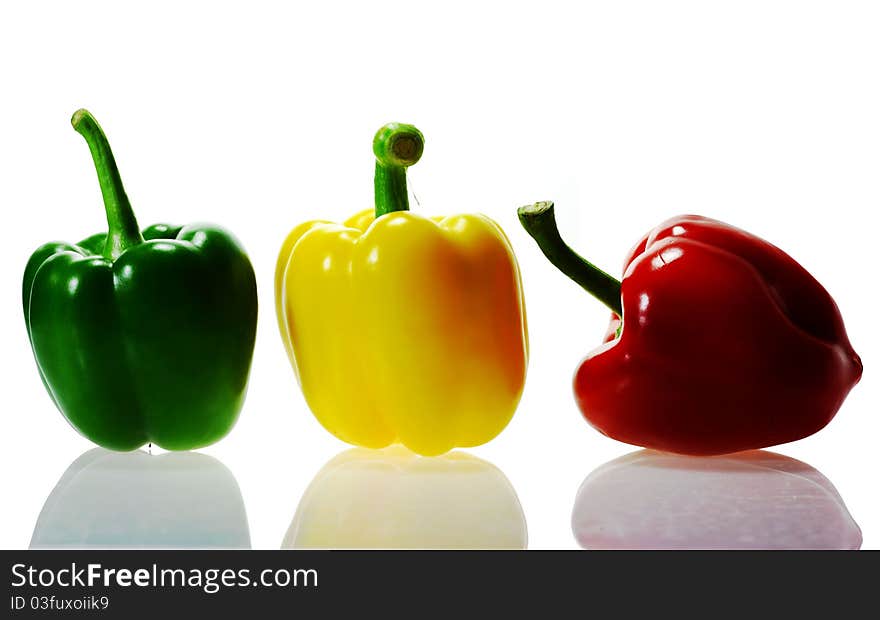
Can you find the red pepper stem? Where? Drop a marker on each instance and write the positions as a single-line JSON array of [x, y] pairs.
[[539, 220], [123, 231]]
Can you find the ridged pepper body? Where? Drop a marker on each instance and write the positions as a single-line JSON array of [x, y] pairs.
[[142, 336], [154, 346], [719, 341], [404, 329], [727, 344]]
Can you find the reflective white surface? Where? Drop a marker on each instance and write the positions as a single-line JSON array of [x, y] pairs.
[[394, 499], [749, 500], [138, 500]]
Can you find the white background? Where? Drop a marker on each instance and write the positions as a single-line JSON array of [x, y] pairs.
[[258, 116]]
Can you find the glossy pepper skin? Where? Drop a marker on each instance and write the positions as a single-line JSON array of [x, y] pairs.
[[726, 343], [142, 336], [402, 328]]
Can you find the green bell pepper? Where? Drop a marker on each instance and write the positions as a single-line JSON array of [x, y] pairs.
[[142, 336]]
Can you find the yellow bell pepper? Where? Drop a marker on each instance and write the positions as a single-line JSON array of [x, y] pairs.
[[401, 328]]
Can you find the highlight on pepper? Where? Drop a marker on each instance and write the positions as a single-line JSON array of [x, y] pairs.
[[142, 336], [402, 328], [719, 341]]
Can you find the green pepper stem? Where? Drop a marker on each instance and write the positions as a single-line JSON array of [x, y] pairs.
[[396, 146], [539, 220], [123, 231]]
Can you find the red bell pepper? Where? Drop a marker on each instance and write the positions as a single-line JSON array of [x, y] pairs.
[[719, 341]]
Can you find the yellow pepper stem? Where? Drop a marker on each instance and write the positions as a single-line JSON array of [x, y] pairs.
[[396, 146]]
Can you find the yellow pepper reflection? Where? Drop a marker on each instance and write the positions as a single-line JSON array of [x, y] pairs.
[[394, 499]]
